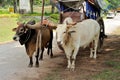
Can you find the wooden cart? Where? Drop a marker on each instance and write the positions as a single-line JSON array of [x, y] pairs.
[[79, 10]]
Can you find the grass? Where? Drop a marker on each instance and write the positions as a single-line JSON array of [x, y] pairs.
[[6, 25], [107, 75], [113, 70]]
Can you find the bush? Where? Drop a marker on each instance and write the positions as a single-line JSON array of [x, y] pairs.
[[9, 15], [55, 16], [4, 12]]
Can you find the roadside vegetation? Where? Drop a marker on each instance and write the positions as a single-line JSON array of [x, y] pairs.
[[6, 25], [8, 21]]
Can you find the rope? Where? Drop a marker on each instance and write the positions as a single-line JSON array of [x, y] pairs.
[[39, 36], [28, 36]]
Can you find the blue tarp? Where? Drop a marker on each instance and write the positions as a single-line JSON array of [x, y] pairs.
[[91, 11]]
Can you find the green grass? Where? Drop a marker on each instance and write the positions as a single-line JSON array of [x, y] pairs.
[[113, 64], [107, 75], [113, 70], [6, 26]]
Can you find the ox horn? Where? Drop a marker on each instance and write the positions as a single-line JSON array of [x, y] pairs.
[[72, 23], [18, 23], [35, 26]]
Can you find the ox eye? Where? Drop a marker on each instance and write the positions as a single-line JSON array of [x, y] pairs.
[[64, 32], [22, 30]]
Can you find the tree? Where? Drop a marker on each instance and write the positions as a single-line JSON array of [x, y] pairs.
[[53, 6], [15, 6], [31, 5], [114, 3]]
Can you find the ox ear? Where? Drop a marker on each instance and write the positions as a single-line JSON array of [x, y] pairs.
[[67, 23], [14, 29], [18, 23]]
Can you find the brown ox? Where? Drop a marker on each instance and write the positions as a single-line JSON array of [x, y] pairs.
[[28, 37]]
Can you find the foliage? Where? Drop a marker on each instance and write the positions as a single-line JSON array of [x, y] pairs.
[[36, 17], [3, 11], [113, 64], [114, 3], [55, 16], [9, 15], [107, 75], [6, 2], [113, 68], [39, 2]]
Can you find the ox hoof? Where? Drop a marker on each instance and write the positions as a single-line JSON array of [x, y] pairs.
[[51, 56], [91, 56], [37, 65], [41, 59], [30, 65], [94, 57], [72, 69]]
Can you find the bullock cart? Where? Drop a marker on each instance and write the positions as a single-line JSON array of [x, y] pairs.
[[79, 10]]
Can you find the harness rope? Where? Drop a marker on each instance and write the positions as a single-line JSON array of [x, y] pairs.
[[29, 34]]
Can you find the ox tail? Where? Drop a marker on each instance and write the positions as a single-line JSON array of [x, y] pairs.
[[38, 42]]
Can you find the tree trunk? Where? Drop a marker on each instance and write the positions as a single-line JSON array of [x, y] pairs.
[[15, 6], [31, 5], [52, 6], [52, 9]]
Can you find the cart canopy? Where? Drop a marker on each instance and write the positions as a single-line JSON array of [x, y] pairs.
[[100, 4], [73, 4]]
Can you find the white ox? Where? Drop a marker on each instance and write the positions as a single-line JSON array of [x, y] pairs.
[[79, 35]]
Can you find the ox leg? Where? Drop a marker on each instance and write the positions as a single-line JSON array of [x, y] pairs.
[[50, 49], [95, 48], [37, 55], [31, 62], [74, 58], [51, 55], [68, 55], [69, 62], [50, 44], [41, 56], [91, 49], [91, 52]]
